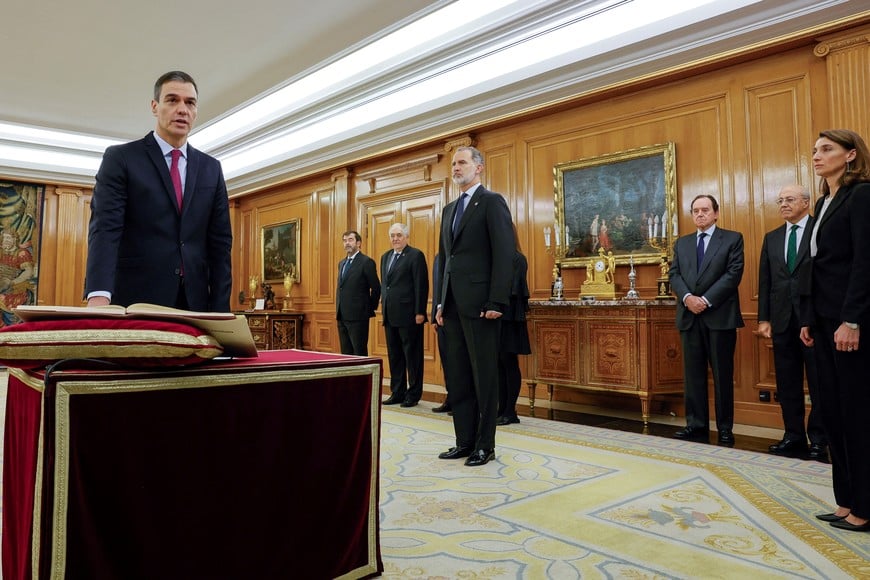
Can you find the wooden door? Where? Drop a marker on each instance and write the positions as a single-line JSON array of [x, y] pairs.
[[420, 210]]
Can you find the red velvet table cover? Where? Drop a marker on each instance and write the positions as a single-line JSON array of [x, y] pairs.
[[253, 468]]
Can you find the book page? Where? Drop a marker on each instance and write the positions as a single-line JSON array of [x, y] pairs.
[[31, 312], [156, 311]]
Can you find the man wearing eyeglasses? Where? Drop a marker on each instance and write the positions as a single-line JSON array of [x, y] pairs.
[[784, 252]]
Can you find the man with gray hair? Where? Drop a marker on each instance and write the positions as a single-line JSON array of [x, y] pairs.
[[404, 295], [784, 252]]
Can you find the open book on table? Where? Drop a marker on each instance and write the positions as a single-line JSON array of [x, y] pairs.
[[230, 330]]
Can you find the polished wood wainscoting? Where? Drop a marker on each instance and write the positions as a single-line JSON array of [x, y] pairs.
[[275, 330], [618, 346]]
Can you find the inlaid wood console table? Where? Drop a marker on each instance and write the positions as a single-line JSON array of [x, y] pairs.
[[275, 330], [619, 346]]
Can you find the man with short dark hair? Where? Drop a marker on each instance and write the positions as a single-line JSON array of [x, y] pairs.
[[705, 275], [357, 296], [160, 223]]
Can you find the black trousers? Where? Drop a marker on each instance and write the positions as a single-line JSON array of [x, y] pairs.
[[471, 367], [845, 406], [791, 357], [353, 336], [703, 346], [405, 356]]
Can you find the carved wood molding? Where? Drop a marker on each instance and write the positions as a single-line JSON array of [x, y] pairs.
[[423, 164], [837, 43], [464, 141], [62, 191]]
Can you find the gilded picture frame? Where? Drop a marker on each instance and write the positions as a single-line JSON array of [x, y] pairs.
[[624, 202], [279, 251]]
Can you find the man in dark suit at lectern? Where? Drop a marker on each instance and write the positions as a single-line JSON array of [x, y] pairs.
[[476, 246], [160, 223], [784, 252], [357, 296], [705, 274]]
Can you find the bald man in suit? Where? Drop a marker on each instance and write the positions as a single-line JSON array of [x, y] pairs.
[[705, 275], [779, 275], [160, 224]]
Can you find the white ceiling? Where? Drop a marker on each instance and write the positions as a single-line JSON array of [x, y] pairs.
[[88, 67]]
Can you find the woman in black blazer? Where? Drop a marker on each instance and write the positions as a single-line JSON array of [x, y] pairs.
[[838, 313]]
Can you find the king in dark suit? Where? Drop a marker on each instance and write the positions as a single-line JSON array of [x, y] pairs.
[[784, 252], [704, 275], [404, 295], [476, 246], [357, 297], [160, 226]]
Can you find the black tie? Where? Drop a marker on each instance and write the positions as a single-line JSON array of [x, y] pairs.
[[393, 261], [460, 209], [346, 268], [701, 237]]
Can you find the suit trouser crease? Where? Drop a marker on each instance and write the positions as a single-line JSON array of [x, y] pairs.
[[792, 362], [405, 357], [703, 346], [472, 371], [844, 397]]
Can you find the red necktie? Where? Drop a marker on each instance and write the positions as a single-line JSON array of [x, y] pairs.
[[176, 176]]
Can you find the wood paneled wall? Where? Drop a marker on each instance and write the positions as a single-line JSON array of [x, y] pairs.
[[741, 132]]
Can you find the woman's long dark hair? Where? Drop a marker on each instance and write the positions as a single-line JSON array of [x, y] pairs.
[[856, 170]]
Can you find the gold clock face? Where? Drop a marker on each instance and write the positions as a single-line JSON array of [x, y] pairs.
[[599, 265]]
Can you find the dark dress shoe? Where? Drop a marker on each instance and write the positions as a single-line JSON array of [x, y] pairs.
[[832, 517], [505, 420], [819, 452], [394, 400], [789, 448], [407, 403], [693, 434], [840, 524], [480, 457], [726, 437], [442, 408], [455, 453]]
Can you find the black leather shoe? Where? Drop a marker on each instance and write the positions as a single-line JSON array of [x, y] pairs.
[[409, 403], [480, 457], [443, 408], [693, 434], [841, 524], [504, 420], [394, 400], [726, 437], [819, 452], [455, 453], [832, 517], [789, 448]]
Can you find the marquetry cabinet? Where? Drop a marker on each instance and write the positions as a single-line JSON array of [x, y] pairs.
[[275, 330], [618, 346]]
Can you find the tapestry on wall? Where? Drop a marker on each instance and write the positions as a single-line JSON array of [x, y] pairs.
[[20, 221]]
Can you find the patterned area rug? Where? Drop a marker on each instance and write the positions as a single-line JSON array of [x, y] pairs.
[[569, 501]]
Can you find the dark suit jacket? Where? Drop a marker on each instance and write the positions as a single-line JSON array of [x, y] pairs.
[[716, 280], [137, 241], [778, 289], [359, 291], [404, 288], [478, 263], [840, 278]]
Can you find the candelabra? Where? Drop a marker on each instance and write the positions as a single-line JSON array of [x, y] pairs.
[[558, 251], [632, 280]]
